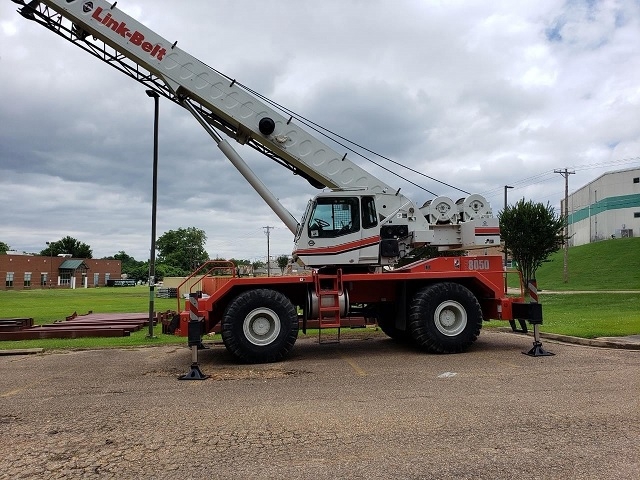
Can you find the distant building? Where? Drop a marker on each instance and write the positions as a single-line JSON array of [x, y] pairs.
[[607, 207], [20, 271]]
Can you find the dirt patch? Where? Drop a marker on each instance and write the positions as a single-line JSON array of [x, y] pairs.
[[235, 373]]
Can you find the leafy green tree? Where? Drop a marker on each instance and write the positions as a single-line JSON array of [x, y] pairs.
[[182, 249], [68, 245], [531, 232], [131, 267], [238, 262], [165, 270], [283, 261], [4, 247], [139, 272], [124, 258], [257, 265]]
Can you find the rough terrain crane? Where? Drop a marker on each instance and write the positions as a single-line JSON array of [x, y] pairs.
[[352, 234]]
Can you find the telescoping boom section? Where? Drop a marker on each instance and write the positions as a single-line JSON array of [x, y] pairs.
[[353, 234]]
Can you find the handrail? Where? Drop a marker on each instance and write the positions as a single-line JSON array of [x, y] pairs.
[[209, 265], [508, 271]]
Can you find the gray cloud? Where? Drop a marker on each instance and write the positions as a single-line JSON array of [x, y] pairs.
[[476, 95]]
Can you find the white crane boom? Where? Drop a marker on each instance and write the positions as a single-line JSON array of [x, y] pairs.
[[191, 77]]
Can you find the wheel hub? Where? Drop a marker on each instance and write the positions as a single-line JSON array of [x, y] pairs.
[[447, 318], [261, 326], [450, 318]]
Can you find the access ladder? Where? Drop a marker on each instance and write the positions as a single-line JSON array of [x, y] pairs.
[[329, 288]]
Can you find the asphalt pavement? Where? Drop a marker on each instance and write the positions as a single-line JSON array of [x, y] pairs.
[[366, 407]]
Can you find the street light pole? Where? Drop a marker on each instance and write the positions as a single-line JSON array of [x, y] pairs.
[[506, 187], [154, 201]]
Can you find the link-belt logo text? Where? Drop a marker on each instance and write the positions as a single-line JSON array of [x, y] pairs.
[[136, 38]]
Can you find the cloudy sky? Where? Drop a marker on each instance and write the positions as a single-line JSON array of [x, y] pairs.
[[475, 94]]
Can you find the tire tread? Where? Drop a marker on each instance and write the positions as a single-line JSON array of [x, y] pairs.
[[421, 324], [234, 316]]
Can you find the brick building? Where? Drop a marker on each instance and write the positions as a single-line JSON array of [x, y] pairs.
[[20, 271]]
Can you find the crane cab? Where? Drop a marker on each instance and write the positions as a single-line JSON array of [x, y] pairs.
[[339, 228]]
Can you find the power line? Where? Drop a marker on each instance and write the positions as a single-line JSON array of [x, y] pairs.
[[335, 137], [548, 175], [621, 161]]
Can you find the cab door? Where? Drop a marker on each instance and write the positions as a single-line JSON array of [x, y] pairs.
[[332, 234], [370, 231]]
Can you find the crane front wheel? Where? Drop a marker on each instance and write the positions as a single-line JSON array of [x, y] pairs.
[[260, 326], [445, 318]]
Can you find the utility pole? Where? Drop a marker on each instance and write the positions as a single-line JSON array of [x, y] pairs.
[[267, 231], [565, 173]]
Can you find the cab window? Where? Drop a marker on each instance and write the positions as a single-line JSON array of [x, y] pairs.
[[369, 219], [334, 217]]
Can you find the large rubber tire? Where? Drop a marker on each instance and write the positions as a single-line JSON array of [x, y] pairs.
[[445, 318], [386, 318], [260, 326]]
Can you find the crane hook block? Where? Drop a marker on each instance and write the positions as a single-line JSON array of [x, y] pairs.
[[267, 126]]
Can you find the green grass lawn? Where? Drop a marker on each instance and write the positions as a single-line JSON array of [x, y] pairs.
[[589, 315], [582, 315], [48, 305], [606, 265]]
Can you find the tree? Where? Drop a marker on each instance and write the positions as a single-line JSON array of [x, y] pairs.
[[4, 247], [123, 257], [182, 249], [283, 261], [139, 272], [257, 265], [239, 262], [531, 232], [131, 267], [68, 245], [243, 266], [164, 270]]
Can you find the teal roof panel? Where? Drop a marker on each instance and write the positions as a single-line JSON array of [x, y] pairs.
[[72, 265]]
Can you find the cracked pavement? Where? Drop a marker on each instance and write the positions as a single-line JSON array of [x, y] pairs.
[[364, 408]]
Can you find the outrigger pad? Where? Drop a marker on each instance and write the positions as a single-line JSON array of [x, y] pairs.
[[194, 374], [194, 332], [528, 311], [538, 351]]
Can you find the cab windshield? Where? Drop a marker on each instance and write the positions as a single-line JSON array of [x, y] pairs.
[[334, 216]]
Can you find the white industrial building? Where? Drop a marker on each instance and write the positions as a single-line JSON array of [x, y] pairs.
[[608, 206]]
